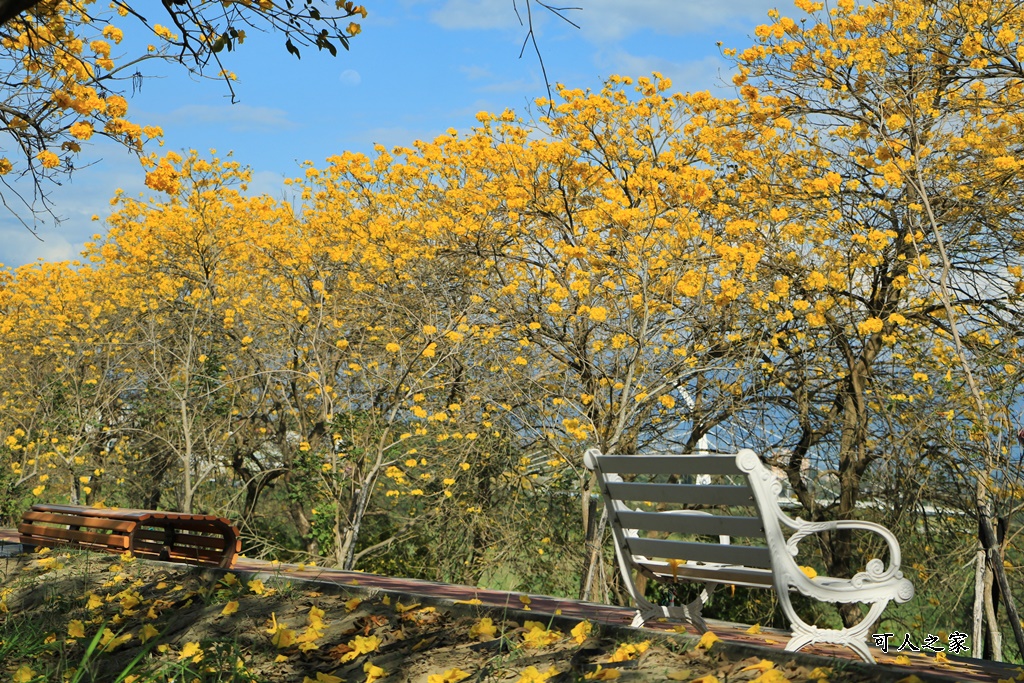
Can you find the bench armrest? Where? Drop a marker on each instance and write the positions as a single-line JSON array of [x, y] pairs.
[[876, 571]]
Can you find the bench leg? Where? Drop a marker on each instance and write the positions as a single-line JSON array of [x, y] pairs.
[[690, 612], [855, 637]]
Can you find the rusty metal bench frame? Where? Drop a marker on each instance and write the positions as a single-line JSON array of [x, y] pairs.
[[171, 536]]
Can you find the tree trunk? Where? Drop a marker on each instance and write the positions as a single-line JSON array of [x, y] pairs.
[[978, 631]]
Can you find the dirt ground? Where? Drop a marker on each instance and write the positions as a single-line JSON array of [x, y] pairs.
[[79, 617]]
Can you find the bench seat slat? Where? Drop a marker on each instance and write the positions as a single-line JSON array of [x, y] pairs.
[[155, 550], [701, 552], [668, 464], [123, 513], [709, 525], [687, 494], [722, 574], [39, 535]]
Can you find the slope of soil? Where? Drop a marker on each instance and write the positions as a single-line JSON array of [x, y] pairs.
[[75, 616]]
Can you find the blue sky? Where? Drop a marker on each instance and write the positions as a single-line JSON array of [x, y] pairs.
[[418, 68]]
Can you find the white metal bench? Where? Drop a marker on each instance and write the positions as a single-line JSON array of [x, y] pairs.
[[709, 555]]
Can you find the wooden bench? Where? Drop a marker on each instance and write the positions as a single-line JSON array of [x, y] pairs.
[[698, 523], [171, 536]]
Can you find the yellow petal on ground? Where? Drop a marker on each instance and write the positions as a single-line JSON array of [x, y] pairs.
[[679, 675], [402, 609], [707, 640], [352, 604], [912, 678], [281, 658], [820, 672], [147, 632], [810, 572], [581, 631], [474, 601], [532, 674], [24, 674], [602, 674], [257, 587], [230, 608], [484, 629], [705, 679], [76, 629], [285, 637], [761, 666], [450, 676], [190, 650], [94, 601], [902, 660], [771, 676], [373, 672], [754, 630]]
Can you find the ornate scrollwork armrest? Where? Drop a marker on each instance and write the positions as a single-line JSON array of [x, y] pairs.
[[876, 571]]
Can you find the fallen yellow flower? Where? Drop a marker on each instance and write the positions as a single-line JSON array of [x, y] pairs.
[[449, 676], [483, 629], [707, 640]]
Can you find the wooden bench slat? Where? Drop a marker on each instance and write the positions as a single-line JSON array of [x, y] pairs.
[[683, 494], [74, 520], [37, 534], [746, 556], [211, 526], [156, 550], [182, 539], [125, 513], [669, 464], [722, 574], [707, 525]]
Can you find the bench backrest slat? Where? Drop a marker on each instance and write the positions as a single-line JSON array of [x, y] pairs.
[[668, 464], [181, 539], [709, 525], [683, 494], [74, 520], [700, 552]]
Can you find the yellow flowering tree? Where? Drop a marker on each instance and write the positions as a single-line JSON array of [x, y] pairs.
[[893, 214], [62, 68]]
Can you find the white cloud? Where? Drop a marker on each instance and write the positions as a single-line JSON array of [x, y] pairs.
[[476, 73], [605, 20], [21, 247], [709, 73], [350, 77], [236, 117], [476, 14], [394, 136]]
